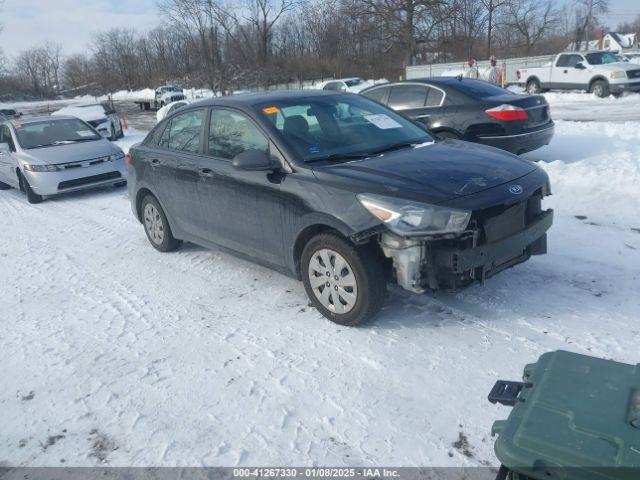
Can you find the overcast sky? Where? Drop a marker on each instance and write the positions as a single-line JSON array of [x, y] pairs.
[[71, 23]]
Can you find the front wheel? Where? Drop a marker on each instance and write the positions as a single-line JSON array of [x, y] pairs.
[[347, 284], [32, 197], [156, 226], [600, 88]]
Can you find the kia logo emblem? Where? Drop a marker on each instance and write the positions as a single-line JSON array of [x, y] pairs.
[[516, 189]]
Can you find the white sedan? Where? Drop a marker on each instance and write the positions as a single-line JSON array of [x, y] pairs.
[[101, 116]]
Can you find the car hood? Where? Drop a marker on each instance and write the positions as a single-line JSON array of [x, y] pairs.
[[616, 66], [434, 172], [73, 152]]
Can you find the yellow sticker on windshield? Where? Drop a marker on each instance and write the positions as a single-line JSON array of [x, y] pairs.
[[17, 126], [271, 110]]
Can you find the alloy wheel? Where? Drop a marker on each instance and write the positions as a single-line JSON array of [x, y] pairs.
[[333, 281], [153, 223]]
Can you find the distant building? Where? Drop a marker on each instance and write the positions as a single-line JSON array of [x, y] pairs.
[[612, 41]]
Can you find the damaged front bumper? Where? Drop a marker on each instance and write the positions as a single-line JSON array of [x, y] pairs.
[[422, 264]]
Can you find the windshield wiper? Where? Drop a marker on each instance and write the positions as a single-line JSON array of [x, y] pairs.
[[334, 157], [395, 146]]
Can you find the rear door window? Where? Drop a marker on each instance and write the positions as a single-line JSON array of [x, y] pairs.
[[404, 97], [434, 97], [377, 94], [183, 132]]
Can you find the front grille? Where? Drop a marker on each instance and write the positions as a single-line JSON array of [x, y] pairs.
[[633, 73], [77, 182], [503, 221]]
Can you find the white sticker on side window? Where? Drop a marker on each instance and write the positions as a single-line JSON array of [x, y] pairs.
[[382, 121], [85, 133]]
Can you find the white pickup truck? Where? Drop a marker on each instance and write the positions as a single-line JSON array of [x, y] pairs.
[[598, 72]]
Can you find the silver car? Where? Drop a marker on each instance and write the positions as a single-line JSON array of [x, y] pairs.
[[45, 156]]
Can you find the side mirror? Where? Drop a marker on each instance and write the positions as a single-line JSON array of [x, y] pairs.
[[343, 88], [253, 160], [580, 66], [4, 148]]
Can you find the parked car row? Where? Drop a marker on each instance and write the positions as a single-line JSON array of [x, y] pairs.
[[345, 192]]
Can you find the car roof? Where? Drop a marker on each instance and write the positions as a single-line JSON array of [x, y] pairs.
[[254, 98]]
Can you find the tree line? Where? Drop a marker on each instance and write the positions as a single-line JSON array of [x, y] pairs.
[[227, 45]]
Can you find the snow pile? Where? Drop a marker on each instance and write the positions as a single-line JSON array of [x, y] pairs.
[[592, 165]]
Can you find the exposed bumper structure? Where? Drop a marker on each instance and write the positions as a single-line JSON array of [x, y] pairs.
[[423, 264]]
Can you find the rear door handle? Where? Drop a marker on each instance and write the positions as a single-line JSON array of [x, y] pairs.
[[155, 162], [206, 172]]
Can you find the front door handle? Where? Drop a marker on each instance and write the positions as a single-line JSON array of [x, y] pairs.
[[206, 172], [155, 162]]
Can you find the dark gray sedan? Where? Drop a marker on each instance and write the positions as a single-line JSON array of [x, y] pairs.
[[471, 110]]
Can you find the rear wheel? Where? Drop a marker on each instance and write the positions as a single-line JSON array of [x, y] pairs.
[[533, 86], [345, 283], [156, 226], [600, 88], [32, 197], [112, 132]]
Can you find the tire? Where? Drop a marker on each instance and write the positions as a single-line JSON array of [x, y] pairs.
[[447, 134], [361, 280], [533, 86], [156, 226], [112, 133], [32, 197], [600, 88], [121, 133]]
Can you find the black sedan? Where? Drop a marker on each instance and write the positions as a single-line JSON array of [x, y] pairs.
[[337, 191], [471, 110]]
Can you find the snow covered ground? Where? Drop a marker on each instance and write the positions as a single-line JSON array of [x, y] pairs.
[[114, 354]]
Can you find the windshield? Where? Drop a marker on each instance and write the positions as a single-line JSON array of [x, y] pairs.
[[340, 127], [170, 89], [8, 111], [601, 58], [54, 132]]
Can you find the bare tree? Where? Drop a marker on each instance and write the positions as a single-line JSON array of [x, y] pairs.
[[531, 20]]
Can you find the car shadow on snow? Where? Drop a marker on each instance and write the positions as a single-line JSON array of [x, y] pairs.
[[569, 149]]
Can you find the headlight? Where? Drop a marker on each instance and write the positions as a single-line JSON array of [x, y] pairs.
[[40, 168], [412, 218], [618, 74]]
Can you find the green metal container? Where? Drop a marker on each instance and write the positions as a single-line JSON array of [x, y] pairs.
[[574, 417]]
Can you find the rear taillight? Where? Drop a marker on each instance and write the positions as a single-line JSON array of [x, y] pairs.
[[128, 159], [507, 113], [518, 74]]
